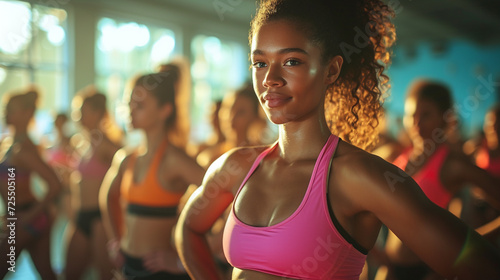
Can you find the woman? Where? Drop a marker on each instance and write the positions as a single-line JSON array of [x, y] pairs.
[[217, 136], [60, 156], [311, 205], [434, 164], [478, 210], [150, 182], [98, 143], [240, 123], [19, 158]]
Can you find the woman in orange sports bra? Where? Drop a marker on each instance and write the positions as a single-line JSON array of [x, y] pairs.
[[19, 158], [96, 146], [142, 191]]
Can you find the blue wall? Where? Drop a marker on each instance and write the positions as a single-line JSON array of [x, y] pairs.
[[469, 70]]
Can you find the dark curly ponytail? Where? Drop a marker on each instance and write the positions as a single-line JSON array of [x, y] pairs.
[[361, 32]]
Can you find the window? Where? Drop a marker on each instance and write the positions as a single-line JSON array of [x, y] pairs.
[[125, 49], [33, 51], [218, 67]]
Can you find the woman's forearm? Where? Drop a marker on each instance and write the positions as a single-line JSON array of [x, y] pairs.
[[195, 254]]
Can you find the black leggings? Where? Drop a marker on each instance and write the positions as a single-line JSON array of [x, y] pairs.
[[134, 270], [85, 218]]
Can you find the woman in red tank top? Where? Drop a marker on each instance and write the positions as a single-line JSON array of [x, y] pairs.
[[434, 163], [317, 68]]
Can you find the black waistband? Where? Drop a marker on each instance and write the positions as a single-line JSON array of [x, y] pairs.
[[26, 206], [151, 211]]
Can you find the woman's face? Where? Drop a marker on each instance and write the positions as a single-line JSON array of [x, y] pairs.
[[289, 76], [16, 113], [237, 115], [89, 117], [144, 109], [12, 112], [423, 118]]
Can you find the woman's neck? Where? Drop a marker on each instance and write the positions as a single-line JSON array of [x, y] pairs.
[[301, 140], [154, 138], [423, 146], [20, 135]]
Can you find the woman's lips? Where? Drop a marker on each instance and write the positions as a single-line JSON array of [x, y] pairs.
[[273, 100]]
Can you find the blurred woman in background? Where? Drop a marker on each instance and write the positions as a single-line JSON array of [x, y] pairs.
[[19, 158], [240, 122], [60, 156], [143, 190], [434, 164], [478, 210], [97, 144], [217, 137]]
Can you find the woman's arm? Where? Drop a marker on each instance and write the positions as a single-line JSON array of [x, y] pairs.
[[191, 172], [109, 197], [439, 238], [204, 207], [29, 158], [491, 229], [459, 170]]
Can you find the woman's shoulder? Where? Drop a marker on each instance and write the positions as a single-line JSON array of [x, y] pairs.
[[367, 180], [357, 167], [177, 156], [233, 165], [25, 148], [349, 155], [123, 156], [109, 145], [243, 155]]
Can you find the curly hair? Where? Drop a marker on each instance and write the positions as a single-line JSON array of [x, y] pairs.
[[362, 33]]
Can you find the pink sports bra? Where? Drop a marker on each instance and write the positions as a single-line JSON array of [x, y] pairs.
[[93, 168], [307, 245]]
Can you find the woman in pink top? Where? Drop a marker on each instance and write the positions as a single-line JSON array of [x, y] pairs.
[[28, 218], [434, 164], [97, 145], [311, 205]]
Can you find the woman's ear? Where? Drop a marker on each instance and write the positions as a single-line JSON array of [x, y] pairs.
[[333, 67], [166, 111]]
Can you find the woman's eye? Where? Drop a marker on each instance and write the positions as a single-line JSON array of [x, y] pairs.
[[292, 62], [258, 64]]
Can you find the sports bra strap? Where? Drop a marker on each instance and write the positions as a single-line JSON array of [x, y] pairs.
[[257, 162], [161, 151]]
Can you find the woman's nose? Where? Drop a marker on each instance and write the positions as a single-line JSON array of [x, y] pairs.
[[273, 77]]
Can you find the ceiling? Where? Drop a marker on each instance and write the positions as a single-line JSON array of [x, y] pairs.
[[437, 21]]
